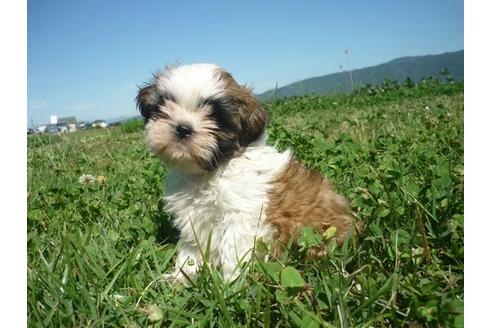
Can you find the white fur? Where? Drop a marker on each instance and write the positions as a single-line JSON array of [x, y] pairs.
[[159, 136], [229, 204], [190, 83]]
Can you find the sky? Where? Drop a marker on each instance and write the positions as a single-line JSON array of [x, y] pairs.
[[87, 58]]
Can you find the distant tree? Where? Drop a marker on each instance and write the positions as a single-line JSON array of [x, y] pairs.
[[408, 82], [445, 74]]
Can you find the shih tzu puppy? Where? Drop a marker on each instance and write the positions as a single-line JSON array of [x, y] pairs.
[[224, 181]]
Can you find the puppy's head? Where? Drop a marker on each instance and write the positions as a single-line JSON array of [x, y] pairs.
[[198, 117]]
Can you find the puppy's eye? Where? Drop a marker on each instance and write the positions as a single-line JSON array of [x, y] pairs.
[[166, 97], [209, 102], [159, 114], [158, 111]]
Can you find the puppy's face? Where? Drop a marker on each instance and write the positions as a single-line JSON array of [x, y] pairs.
[[198, 117]]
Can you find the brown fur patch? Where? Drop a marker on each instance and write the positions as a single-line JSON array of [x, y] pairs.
[[303, 197], [253, 116], [147, 100]]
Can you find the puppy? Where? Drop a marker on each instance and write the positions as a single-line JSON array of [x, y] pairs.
[[224, 182]]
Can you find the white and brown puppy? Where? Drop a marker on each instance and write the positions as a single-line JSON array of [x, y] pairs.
[[224, 181]]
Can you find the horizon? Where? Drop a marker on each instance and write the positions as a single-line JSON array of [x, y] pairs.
[[137, 114], [87, 60]]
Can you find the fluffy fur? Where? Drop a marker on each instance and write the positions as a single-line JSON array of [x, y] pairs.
[[224, 181]]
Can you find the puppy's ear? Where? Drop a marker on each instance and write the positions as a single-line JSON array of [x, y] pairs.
[[254, 118], [252, 115], [147, 101]]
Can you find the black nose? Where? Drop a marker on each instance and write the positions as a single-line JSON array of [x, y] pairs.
[[183, 131]]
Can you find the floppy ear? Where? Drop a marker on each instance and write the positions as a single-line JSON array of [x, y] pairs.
[[147, 101], [254, 117]]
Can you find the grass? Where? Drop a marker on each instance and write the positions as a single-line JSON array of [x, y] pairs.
[[96, 250]]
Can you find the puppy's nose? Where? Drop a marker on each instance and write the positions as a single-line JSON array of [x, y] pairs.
[[183, 131]]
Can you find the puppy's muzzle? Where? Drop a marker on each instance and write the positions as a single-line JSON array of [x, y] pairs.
[[183, 131]]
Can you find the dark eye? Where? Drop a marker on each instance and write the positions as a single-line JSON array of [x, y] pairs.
[[159, 114], [222, 112], [166, 96], [207, 102], [157, 111]]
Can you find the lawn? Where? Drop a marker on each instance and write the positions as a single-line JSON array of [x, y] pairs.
[[97, 249]]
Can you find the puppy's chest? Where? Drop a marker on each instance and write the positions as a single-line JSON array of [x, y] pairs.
[[240, 190], [209, 200], [189, 201], [214, 200]]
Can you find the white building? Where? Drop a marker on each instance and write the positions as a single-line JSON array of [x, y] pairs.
[[99, 123], [70, 121]]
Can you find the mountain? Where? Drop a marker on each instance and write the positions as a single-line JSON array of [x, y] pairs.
[[122, 118], [416, 68]]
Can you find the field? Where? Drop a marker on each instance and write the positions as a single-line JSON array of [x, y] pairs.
[[96, 249]]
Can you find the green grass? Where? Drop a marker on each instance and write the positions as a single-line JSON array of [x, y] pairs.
[[132, 125], [96, 251]]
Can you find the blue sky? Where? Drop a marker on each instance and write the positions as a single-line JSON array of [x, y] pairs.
[[86, 58]]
